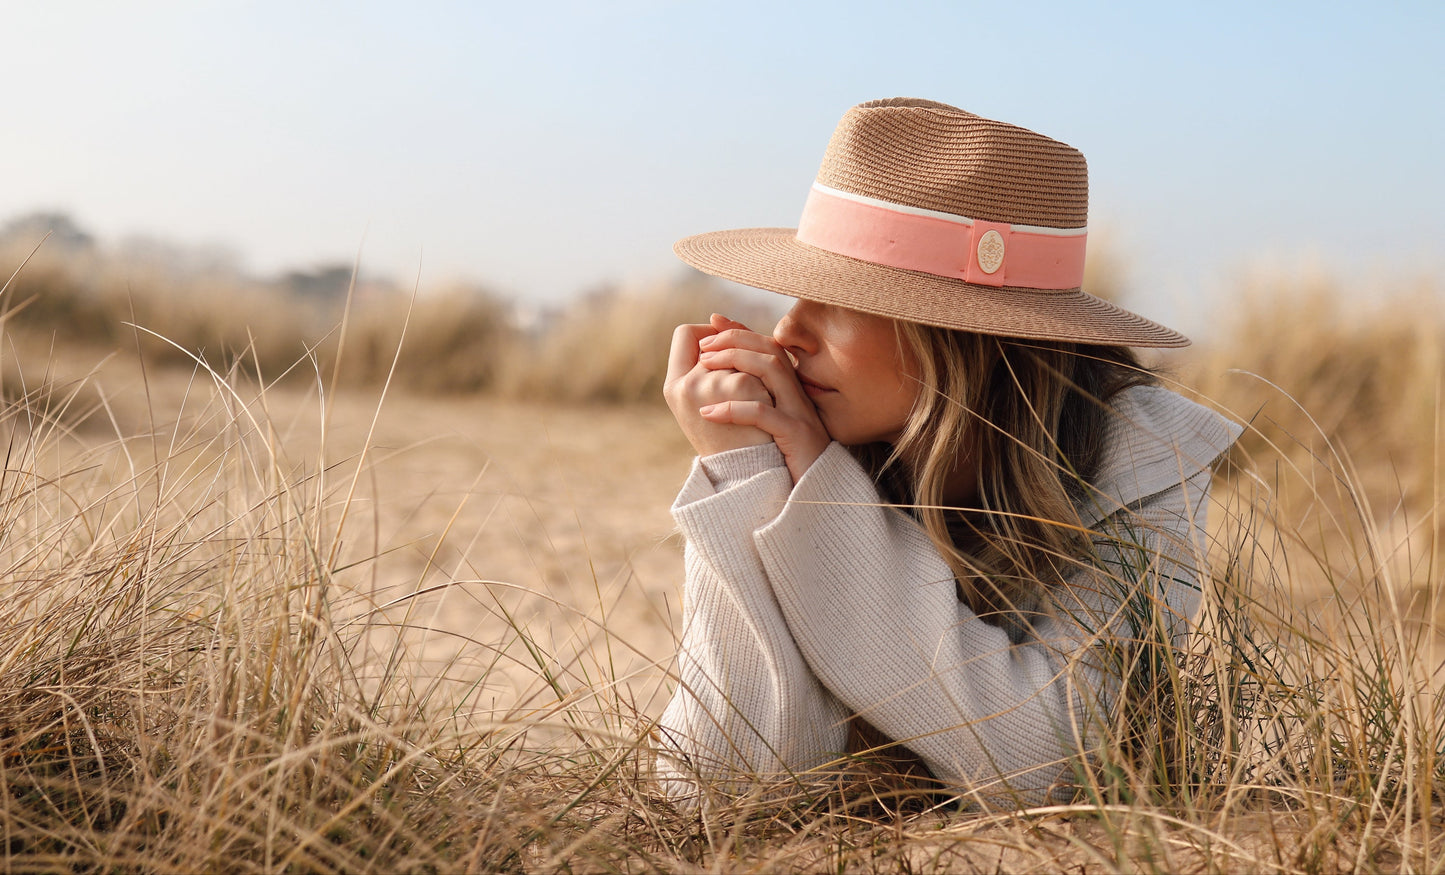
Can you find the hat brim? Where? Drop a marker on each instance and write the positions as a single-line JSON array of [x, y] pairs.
[[773, 259]]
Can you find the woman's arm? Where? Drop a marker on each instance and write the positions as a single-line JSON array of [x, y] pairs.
[[874, 611], [747, 704]]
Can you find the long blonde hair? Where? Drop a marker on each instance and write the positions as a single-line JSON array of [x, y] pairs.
[[1029, 417]]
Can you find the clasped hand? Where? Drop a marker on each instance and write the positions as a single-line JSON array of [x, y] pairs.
[[730, 387]]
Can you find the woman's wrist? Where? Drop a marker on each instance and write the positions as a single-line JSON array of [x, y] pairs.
[[736, 465]]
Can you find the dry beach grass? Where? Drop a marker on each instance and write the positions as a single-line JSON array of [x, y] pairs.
[[284, 627]]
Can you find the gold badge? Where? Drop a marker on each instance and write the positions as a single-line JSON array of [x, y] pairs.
[[990, 252]]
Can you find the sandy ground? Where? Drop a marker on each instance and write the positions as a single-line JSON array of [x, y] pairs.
[[549, 520], [476, 524]]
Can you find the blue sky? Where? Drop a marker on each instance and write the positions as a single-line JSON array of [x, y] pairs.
[[545, 148]]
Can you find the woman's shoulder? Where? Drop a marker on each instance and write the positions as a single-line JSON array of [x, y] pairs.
[[1156, 439]]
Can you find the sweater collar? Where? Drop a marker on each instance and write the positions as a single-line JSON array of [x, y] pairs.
[[1156, 439]]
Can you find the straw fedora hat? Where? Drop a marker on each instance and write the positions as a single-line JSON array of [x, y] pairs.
[[927, 213]]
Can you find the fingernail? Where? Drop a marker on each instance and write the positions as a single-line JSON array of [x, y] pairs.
[[706, 409], [708, 341]]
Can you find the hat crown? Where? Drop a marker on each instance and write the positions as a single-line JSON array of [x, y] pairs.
[[931, 155], [926, 213]]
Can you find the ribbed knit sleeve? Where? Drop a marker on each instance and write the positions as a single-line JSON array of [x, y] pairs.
[[804, 604], [746, 704], [874, 610]]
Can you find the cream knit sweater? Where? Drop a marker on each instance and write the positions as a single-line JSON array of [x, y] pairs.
[[806, 604]]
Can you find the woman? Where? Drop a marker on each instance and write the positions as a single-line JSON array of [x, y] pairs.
[[942, 500]]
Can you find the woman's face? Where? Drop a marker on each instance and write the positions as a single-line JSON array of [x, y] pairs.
[[853, 367]]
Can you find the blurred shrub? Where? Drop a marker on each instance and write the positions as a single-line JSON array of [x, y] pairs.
[[80, 295], [94, 299], [456, 340], [1320, 373]]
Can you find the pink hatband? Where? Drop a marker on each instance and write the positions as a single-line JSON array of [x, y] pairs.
[[912, 238]]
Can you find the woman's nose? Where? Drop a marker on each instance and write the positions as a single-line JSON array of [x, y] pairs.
[[792, 331]]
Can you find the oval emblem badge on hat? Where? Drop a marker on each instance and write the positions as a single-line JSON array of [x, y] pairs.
[[990, 252]]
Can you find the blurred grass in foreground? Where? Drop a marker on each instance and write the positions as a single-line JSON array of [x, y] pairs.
[[194, 677]]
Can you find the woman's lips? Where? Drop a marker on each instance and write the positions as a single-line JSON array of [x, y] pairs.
[[813, 389]]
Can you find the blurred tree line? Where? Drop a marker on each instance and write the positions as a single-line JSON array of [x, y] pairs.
[[178, 306]]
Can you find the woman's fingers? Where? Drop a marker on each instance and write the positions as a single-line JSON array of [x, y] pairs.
[[722, 323], [764, 416], [689, 340], [701, 386], [776, 374], [756, 354], [730, 387], [731, 338], [801, 441], [792, 420], [682, 356], [689, 386], [741, 338]]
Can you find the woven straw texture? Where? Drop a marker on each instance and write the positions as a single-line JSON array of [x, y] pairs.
[[926, 154]]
